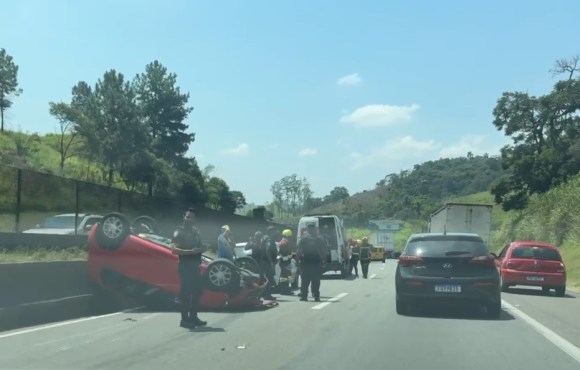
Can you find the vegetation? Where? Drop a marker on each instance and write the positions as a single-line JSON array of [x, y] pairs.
[[8, 83], [24, 254], [129, 134], [545, 132]]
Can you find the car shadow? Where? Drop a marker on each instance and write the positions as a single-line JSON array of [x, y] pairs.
[[455, 312], [537, 292]]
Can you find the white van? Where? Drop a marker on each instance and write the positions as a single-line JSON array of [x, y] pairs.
[[331, 228]]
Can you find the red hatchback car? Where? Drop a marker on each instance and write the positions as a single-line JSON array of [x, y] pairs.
[[532, 263], [141, 265]]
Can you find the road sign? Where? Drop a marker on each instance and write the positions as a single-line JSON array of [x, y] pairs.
[[387, 225]]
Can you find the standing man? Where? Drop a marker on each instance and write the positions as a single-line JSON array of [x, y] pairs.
[[269, 256], [186, 243], [310, 254], [365, 256], [224, 244], [355, 248]]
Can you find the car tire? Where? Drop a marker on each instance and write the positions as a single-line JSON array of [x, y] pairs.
[[145, 224], [504, 287], [112, 231], [494, 309], [247, 263], [221, 275], [402, 305], [561, 291]]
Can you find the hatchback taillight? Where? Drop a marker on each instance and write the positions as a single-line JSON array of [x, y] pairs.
[[483, 260], [406, 261]]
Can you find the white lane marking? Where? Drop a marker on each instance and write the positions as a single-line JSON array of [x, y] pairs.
[[333, 299], [557, 340], [372, 276], [76, 321], [54, 300]]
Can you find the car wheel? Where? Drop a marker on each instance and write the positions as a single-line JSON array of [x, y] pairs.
[[112, 231], [144, 224], [504, 287], [221, 276], [247, 263], [561, 291], [402, 305], [494, 309]]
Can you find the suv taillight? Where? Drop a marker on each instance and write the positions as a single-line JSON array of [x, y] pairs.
[[406, 261], [483, 260]]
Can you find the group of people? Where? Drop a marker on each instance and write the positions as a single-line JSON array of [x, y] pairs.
[[361, 252], [309, 255]]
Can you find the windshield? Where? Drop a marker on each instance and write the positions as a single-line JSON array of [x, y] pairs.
[[446, 248], [60, 222]]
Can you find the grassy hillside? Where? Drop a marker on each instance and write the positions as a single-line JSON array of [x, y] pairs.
[[415, 193]]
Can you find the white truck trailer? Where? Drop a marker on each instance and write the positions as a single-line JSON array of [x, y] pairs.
[[463, 218]]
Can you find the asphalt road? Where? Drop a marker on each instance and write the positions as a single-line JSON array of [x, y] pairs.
[[357, 329]]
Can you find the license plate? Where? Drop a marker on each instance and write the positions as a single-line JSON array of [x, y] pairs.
[[535, 278], [448, 288]]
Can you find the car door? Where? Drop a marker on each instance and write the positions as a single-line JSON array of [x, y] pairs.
[[500, 257]]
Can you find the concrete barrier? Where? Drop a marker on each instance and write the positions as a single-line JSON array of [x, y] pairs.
[[42, 292], [13, 240]]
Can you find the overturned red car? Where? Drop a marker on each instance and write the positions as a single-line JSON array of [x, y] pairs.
[[131, 260]]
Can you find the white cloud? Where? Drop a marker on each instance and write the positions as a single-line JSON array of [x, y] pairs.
[[395, 150], [240, 150], [307, 151], [349, 80], [374, 115], [476, 144]]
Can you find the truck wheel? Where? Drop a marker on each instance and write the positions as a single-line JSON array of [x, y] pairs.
[[112, 231]]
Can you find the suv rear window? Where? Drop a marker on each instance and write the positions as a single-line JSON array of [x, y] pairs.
[[446, 247], [539, 253]]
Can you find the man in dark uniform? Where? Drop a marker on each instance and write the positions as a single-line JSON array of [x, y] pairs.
[[269, 255], [310, 255], [186, 243], [365, 256]]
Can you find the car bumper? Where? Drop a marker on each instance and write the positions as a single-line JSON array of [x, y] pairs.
[[532, 278], [475, 290]]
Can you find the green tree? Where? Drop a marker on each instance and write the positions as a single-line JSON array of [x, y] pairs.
[[119, 129], [545, 133], [65, 115], [164, 109], [8, 83], [291, 194]]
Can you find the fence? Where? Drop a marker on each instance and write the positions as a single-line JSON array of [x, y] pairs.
[[28, 197]]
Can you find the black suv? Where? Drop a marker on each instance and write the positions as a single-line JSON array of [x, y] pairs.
[[447, 267]]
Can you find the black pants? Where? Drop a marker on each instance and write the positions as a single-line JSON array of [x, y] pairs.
[[268, 271], [354, 264], [310, 276], [190, 290], [365, 267]]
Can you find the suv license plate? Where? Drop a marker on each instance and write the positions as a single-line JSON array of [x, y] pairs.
[[448, 288]]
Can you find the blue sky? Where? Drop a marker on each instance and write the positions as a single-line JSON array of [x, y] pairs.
[[339, 92]]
